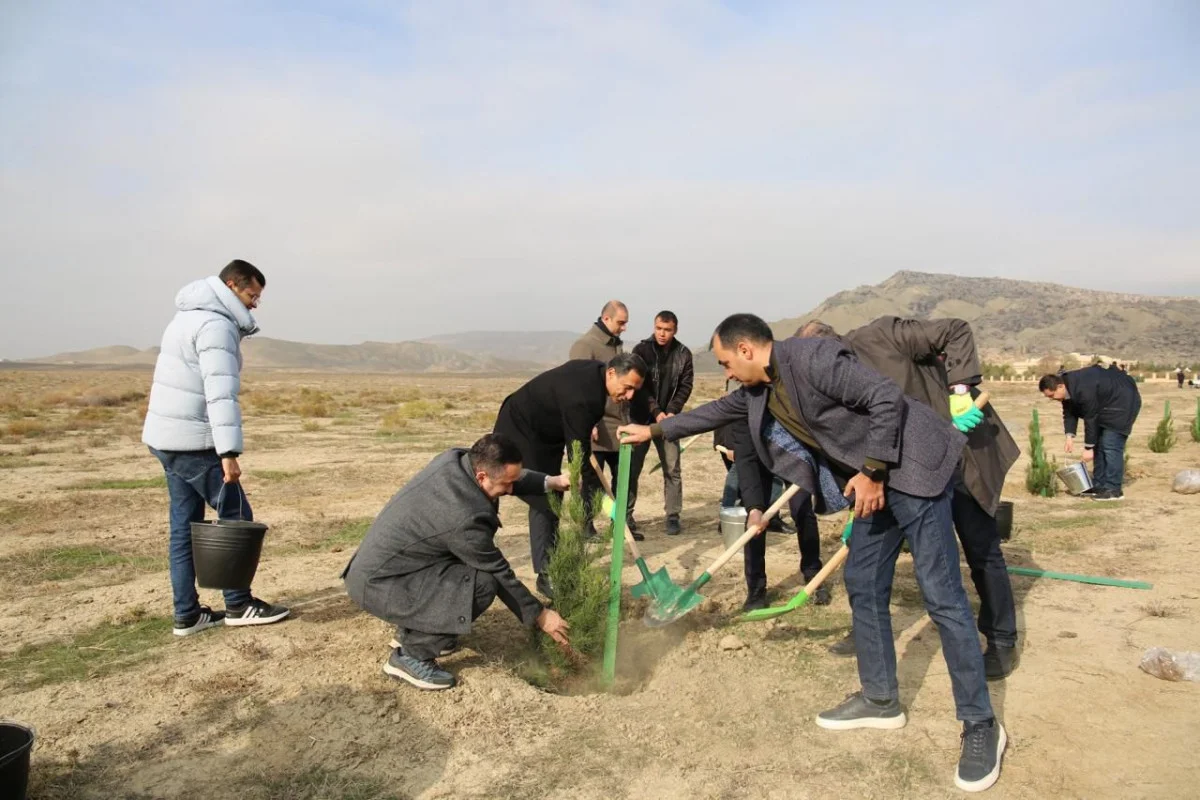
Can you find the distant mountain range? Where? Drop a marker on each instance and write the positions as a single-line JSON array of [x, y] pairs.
[[1012, 320], [261, 352], [1020, 319]]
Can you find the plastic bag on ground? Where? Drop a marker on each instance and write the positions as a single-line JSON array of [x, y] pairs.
[[1187, 482], [1171, 665]]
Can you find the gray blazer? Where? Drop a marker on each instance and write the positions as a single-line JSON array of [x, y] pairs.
[[853, 413], [416, 565]]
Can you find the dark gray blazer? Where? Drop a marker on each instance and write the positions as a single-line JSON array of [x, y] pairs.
[[852, 411], [416, 565]]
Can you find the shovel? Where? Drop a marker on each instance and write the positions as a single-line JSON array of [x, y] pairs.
[[684, 600], [655, 585], [809, 588], [682, 447]]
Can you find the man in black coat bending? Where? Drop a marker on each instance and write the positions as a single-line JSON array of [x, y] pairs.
[[558, 407], [1108, 401], [429, 562]]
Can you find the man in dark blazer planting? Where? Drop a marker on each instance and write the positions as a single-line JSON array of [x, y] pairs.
[[824, 421], [1108, 402], [429, 562], [544, 416], [935, 361]]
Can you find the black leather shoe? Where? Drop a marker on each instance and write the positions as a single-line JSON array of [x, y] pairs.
[[544, 587], [999, 661], [845, 647], [755, 598]]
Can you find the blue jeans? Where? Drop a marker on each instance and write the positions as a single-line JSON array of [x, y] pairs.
[[1108, 471], [874, 545], [196, 479]]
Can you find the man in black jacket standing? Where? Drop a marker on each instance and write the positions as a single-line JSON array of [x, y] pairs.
[[1108, 401], [667, 390], [429, 562], [543, 417]]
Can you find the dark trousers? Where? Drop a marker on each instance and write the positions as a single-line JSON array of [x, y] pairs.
[[541, 457], [194, 480], [668, 456], [927, 524], [807, 536], [425, 646], [1108, 472], [980, 539], [605, 458]]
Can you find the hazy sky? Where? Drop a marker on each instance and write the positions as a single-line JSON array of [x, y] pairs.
[[401, 170]]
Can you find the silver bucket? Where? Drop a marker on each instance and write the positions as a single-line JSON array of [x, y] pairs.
[[1076, 478], [733, 524]]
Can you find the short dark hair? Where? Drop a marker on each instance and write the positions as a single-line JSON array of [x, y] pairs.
[[494, 451], [241, 273], [815, 328], [743, 328], [1049, 383], [668, 316], [624, 363]]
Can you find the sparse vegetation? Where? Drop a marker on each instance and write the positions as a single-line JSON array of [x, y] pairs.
[[1195, 429], [158, 482], [65, 563], [1039, 474], [580, 586], [1164, 435], [107, 648]]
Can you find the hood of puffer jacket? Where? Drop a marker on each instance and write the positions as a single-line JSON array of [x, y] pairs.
[[210, 294]]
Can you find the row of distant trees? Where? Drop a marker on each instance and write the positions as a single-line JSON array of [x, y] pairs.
[[1052, 364]]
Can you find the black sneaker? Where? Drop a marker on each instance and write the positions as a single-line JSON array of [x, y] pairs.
[[632, 526], [856, 711], [755, 599], [256, 612], [421, 674], [999, 661], [448, 650], [982, 747], [589, 533], [845, 647], [204, 619], [543, 586], [674, 528], [1107, 494]]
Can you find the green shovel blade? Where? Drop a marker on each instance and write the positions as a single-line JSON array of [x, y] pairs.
[[776, 611]]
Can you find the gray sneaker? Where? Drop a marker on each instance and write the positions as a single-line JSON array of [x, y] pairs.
[[448, 650], [983, 746], [422, 674], [856, 711]]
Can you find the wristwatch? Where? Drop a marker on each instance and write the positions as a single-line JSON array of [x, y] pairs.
[[877, 474]]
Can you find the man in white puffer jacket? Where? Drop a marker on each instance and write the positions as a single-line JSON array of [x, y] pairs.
[[194, 427]]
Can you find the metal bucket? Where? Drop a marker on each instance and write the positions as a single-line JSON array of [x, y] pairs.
[[733, 524], [1076, 478]]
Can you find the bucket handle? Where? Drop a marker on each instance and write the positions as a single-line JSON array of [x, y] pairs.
[[241, 501]]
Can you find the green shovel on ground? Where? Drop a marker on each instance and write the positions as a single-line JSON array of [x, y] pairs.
[[802, 596]]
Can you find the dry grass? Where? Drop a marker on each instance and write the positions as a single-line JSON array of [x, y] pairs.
[[1159, 608]]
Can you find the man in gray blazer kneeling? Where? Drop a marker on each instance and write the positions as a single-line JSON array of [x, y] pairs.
[[429, 562], [821, 419]]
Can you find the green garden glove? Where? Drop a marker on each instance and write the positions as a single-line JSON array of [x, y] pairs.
[[968, 420]]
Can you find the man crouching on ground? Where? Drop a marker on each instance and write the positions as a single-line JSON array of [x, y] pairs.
[[429, 563]]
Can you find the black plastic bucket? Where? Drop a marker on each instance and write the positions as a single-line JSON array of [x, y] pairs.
[[16, 743], [226, 552], [1004, 520]]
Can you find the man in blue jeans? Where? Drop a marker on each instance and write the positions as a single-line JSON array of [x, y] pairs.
[[1108, 401], [821, 419], [194, 428]]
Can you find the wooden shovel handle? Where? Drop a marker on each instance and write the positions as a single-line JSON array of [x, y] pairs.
[[608, 491], [753, 530], [981, 400], [830, 566]]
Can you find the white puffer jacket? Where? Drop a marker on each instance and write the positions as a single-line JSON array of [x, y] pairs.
[[194, 399]]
